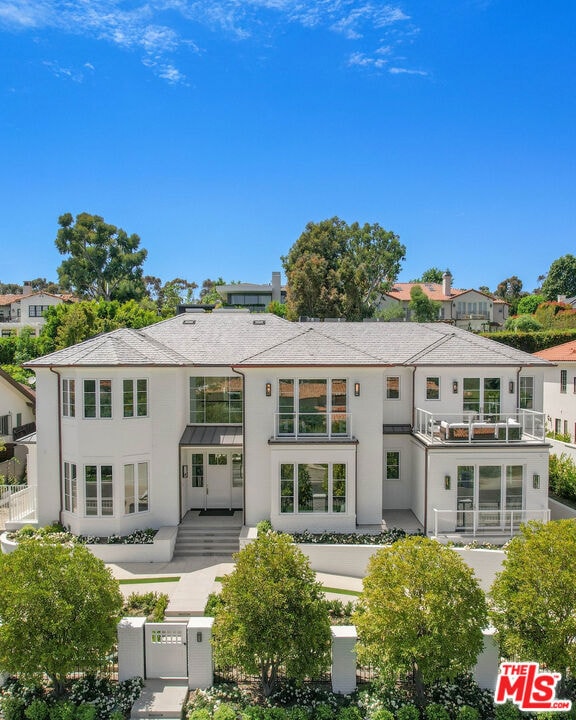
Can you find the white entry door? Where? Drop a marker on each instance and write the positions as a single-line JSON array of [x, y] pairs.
[[218, 480]]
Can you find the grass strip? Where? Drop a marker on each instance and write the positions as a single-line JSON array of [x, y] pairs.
[[144, 581], [338, 591]]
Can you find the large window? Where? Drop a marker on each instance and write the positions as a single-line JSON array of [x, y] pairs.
[[392, 387], [68, 397], [432, 388], [392, 465], [482, 396], [97, 398], [216, 400], [527, 393], [135, 397], [70, 487], [312, 487], [135, 488], [98, 490], [493, 490], [563, 380], [312, 407]]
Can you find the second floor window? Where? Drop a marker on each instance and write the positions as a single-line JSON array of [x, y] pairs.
[[37, 310], [563, 380], [527, 393], [216, 400], [68, 397], [432, 388], [135, 397], [97, 398], [481, 396], [312, 406], [392, 387]]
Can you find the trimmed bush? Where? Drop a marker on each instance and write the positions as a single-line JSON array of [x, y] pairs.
[[201, 714], [435, 711], [468, 713], [13, 708], [383, 714], [408, 712], [224, 712], [37, 710], [507, 711]]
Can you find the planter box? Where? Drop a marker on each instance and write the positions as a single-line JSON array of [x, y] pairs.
[[161, 550]]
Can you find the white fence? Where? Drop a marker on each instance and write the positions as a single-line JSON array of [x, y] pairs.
[[17, 502]]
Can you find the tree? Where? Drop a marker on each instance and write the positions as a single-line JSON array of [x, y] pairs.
[[169, 295], [273, 613], [423, 309], [534, 597], [104, 261], [340, 270], [432, 275], [209, 294], [510, 290], [421, 613], [523, 323], [561, 278], [275, 307], [59, 606], [529, 304]]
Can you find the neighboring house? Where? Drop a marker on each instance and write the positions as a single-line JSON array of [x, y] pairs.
[[254, 297], [18, 311], [17, 408], [560, 389], [467, 309], [318, 426]]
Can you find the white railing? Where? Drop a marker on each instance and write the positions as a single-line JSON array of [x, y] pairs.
[[485, 522], [311, 425], [18, 502], [470, 427]]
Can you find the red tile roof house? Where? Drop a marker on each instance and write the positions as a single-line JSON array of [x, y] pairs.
[[26, 309], [468, 309], [317, 426], [560, 389]]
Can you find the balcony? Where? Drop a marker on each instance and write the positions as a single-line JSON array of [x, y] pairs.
[[470, 428], [312, 426]]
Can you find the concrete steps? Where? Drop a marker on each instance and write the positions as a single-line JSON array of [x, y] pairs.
[[162, 698], [206, 539]]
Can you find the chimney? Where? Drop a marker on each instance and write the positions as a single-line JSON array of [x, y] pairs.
[[447, 283], [26, 288], [276, 286]]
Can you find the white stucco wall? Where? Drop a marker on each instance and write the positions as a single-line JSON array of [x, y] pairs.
[[558, 405]]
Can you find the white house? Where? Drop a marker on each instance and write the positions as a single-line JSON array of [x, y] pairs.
[[318, 426], [560, 389], [26, 309], [17, 408], [253, 296], [468, 309]]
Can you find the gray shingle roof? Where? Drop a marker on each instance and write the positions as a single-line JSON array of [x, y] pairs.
[[224, 339]]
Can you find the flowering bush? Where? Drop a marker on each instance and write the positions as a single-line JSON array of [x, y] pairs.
[[106, 696], [462, 691], [331, 538], [58, 534]]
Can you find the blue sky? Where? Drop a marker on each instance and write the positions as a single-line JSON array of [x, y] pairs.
[[216, 129]]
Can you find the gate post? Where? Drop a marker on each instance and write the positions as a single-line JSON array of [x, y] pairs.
[[200, 665], [486, 670], [343, 658], [130, 632]]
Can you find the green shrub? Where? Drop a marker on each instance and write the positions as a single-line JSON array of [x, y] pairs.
[[151, 604], [119, 715], [349, 713], [213, 604], [468, 713], [323, 712], [562, 476], [507, 711], [201, 714], [37, 710], [224, 712], [297, 713], [408, 712], [86, 711], [383, 714], [63, 710], [435, 711], [13, 708], [263, 527]]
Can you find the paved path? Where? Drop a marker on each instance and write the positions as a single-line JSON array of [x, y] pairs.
[[198, 579]]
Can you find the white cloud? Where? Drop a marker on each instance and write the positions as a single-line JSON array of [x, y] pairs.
[[160, 29], [406, 71]]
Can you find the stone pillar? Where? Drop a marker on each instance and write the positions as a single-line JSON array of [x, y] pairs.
[[200, 664], [131, 648], [344, 659], [486, 669]]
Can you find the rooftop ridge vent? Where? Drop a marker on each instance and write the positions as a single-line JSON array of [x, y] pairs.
[[258, 322]]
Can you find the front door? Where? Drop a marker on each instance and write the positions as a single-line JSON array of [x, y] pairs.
[[218, 481]]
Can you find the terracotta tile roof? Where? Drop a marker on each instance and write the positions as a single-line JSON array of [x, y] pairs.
[[401, 291], [12, 298], [559, 353]]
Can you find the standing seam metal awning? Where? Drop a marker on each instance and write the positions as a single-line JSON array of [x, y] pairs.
[[212, 435]]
